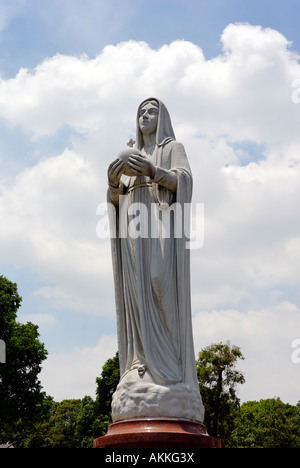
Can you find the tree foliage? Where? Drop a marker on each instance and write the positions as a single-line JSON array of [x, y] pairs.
[[267, 424], [31, 419], [21, 397], [218, 380], [95, 416], [107, 384]]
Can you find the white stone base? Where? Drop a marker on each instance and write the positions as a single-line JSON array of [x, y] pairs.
[[138, 396]]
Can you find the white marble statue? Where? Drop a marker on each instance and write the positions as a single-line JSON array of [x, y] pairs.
[[152, 276]]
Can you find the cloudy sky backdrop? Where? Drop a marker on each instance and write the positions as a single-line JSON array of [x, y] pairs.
[[72, 76]]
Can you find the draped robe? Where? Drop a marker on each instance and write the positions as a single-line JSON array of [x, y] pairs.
[[152, 285]]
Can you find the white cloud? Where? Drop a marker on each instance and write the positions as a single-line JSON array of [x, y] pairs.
[[250, 260], [44, 321], [73, 375], [246, 92], [265, 338], [243, 93], [49, 226]]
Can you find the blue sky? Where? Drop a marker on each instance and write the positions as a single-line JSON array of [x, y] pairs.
[[38, 29], [228, 90]]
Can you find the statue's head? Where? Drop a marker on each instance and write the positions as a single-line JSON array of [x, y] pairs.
[[148, 117], [153, 116]]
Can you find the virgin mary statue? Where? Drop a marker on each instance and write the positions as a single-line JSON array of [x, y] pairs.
[[152, 275]]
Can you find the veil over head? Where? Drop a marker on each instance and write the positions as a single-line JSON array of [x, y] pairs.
[[164, 131]]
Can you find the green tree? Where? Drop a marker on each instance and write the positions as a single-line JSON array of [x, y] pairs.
[[62, 424], [76, 423], [21, 398], [218, 379], [90, 423], [95, 416], [10, 302], [58, 430], [107, 384], [267, 424]]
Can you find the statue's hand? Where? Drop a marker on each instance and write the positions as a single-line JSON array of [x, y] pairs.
[[142, 166], [114, 173]]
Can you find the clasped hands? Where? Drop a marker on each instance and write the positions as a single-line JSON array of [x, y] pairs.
[[139, 165]]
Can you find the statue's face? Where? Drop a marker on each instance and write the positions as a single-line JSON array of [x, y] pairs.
[[148, 118]]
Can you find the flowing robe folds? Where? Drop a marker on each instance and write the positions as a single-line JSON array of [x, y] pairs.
[[151, 265]]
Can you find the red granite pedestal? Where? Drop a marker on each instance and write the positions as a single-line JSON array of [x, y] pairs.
[[156, 434]]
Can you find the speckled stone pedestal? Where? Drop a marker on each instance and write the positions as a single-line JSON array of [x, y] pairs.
[[156, 434]]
